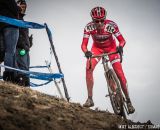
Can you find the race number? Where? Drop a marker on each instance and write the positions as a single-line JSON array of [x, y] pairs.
[[90, 27], [109, 28]]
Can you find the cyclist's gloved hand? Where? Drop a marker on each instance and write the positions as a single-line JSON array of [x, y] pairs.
[[120, 49], [88, 54]]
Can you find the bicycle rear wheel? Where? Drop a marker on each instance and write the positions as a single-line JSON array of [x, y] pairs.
[[114, 90]]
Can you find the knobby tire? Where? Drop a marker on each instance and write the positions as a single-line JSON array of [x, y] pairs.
[[115, 94]]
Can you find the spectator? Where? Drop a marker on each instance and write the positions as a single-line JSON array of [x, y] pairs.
[[23, 47], [10, 35]]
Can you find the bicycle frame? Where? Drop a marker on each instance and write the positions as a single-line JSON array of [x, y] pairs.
[[107, 69]]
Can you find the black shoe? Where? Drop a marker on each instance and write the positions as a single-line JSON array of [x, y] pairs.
[[23, 80], [8, 76]]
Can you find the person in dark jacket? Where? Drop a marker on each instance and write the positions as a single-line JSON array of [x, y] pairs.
[[23, 47], [2, 51], [9, 35]]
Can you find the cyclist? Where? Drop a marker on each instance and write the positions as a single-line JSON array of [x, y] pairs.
[[103, 32]]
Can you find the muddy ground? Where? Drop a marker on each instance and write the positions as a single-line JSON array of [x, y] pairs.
[[26, 109]]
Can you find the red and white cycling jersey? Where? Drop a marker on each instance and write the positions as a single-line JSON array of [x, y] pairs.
[[104, 37]]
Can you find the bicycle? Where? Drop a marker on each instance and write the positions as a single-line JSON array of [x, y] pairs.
[[117, 98]]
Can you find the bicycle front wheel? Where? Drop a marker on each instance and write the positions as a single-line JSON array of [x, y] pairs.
[[114, 90]]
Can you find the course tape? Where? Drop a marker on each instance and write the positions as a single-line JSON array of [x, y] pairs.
[[21, 23], [37, 75]]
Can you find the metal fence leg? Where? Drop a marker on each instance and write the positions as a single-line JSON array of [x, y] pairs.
[[55, 82]]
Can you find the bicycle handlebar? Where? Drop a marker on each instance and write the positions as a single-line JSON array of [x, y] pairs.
[[105, 54]]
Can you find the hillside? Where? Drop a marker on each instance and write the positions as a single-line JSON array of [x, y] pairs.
[[25, 109]]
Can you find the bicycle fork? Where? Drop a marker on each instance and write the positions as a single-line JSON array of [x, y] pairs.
[[106, 71]]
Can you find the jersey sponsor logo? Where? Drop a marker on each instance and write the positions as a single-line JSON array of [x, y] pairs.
[[101, 38], [117, 34]]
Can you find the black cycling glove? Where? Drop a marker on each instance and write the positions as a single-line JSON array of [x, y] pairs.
[[120, 49], [88, 54]]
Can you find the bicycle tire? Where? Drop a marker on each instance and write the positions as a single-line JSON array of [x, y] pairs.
[[115, 93]]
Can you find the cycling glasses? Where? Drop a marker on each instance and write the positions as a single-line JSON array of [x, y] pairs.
[[98, 21]]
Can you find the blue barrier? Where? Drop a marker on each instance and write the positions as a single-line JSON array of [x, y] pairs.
[[21, 23], [37, 75], [32, 25]]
